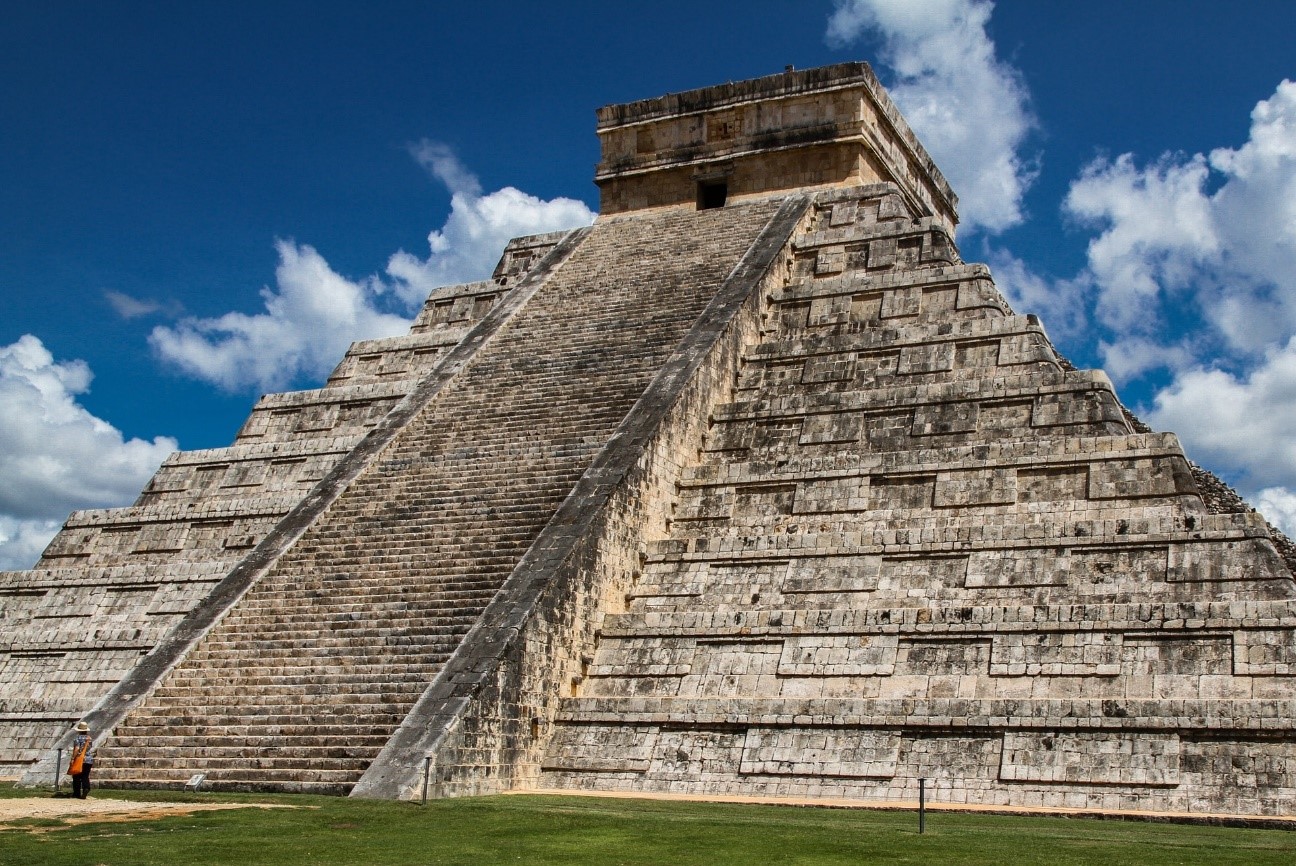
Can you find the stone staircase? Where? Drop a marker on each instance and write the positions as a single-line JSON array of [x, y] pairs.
[[301, 683], [115, 582], [918, 545]]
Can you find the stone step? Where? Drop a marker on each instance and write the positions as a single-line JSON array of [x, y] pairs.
[[853, 537], [1036, 452], [1270, 716], [1259, 615], [177, 781]]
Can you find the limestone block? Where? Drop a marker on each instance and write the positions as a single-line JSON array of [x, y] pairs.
[[860, 754], [1029, 348], [1150, 655], [643, 656], [706, 503], [699, 755], [1018, 568], [926, 358], [1072, 408], [1117, 569], [892, 207], [162, 537], [942, 656], [600, 749], [733, 669], [1056, 654], [901, 303], [835, 427], [763, 500], [866, 306], [735, 585], [832, 574], [831, 310], [922, 576], [843, 213], [245, 474], [838, 656], [933, 419], [1134, 478], [903, 492], [1052, 484], [1228, 560], [1264, 652], [882, 254], [981, 294], [976, 487], [827, 495], [945, 760], [71, 543], [938, 302], [1090, 758], [828, 368], [829, 260]]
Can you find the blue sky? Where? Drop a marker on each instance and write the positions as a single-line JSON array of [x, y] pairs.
[[203, 202]]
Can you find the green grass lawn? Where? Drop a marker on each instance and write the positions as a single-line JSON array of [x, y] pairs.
[[579, 830]]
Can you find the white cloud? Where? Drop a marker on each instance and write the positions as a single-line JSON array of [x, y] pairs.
[[55, 456], [1243, 424], [132, 308], [467, 247], [21, 541], [1058, 303], [1157, 233], [1278, 505], [309, 320], [314, 313], [1131, 357], [970, 110], [1166, 240], [1204, 246]]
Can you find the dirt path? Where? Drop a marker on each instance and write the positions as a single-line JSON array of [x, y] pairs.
[[73, 811]]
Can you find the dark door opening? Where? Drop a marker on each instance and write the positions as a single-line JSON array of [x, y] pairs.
[[712, 194]]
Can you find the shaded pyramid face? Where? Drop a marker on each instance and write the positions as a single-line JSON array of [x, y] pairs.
[[752, 488], [917, 545]]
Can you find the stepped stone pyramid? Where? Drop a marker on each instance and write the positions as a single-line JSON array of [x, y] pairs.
[[754, 487]]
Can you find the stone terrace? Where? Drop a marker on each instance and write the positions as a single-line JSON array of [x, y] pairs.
[[916, 546]]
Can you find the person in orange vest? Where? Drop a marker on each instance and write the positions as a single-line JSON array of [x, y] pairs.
[[82, 761]]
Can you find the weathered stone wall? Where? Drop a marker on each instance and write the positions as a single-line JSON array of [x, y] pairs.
[[914, 545]]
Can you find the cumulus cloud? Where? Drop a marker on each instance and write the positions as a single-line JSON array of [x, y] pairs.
[[1166, 240], [469, 244], [970, 109], [1278, 504], [313, 313], [55, 456], [310, 318], [1193, 270], [1243, 422], [1058, 303]]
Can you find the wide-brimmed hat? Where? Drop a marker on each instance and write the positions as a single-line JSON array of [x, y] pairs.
[[83, 728]]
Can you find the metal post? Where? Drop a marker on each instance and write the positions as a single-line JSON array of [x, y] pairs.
[[427, 771], [58, 763], [922, 806]]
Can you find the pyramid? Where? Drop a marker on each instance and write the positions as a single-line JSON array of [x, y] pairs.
[[752, 488]]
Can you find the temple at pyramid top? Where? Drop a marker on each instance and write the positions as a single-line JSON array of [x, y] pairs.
[[833, 126]]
